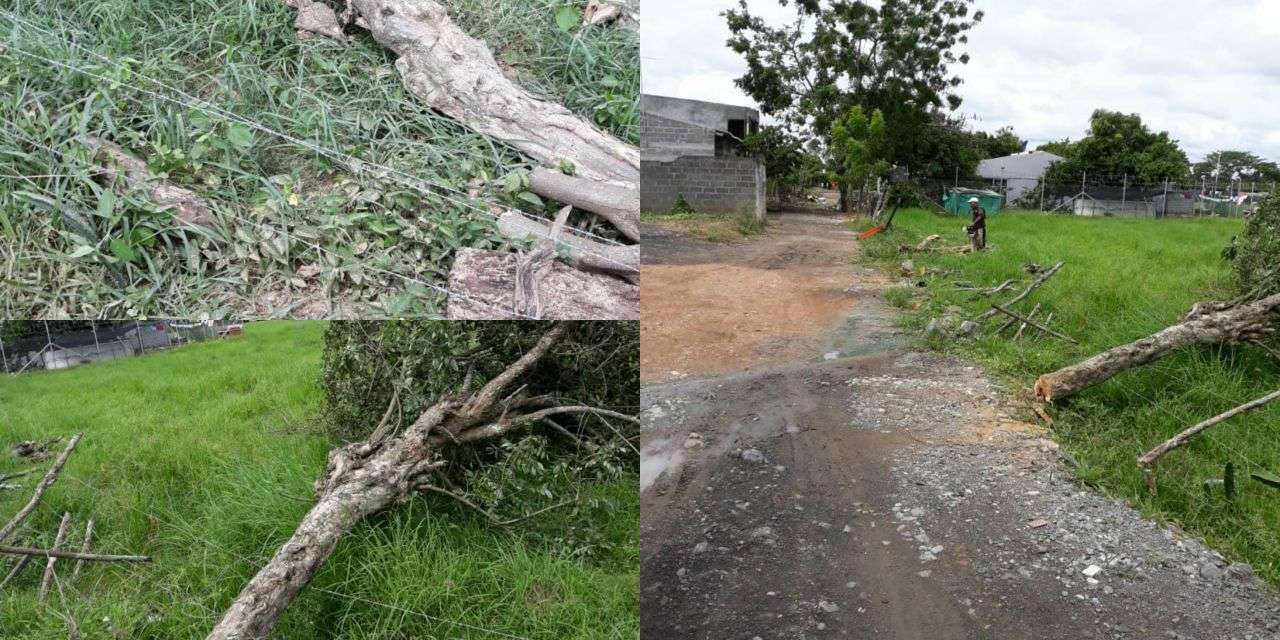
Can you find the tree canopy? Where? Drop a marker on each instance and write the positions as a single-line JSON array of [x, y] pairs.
[[1119, 145], [790, 163], [897, 57], [1227, 165]]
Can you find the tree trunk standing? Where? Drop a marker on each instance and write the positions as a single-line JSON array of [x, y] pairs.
[[457, 75], [1208, 323]]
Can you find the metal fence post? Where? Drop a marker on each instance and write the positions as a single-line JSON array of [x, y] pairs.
[[4, 361], [1042, 185], [97, 348], [1164, 213], [142, 349]]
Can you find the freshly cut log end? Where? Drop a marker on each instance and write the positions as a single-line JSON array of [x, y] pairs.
[[484, 288], [618, 204]]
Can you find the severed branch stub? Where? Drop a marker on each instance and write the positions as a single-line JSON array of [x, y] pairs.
[[579, 251], [363, 478], [1207, 323], [1148, 460]]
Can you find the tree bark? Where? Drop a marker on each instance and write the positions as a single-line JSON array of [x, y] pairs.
[[618, 204], [483, 287], [364, 478], [457, 75], [125, 169], [581, 252], [1207, 323]]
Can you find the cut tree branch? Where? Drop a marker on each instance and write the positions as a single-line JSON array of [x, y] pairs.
[[619, 204], [79, 556], [1029, 321], [457, 75], [52, 557], [1148, 460], [1040, 280], [364, 478], [483, 285], [45, 483], [621, 260]]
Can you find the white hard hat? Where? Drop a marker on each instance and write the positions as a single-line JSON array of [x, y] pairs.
[[973, 200]]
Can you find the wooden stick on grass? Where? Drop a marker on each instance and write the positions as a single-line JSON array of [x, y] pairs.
[[57, 547], [996, 307], [1043, 278], [70, 555], [1023, 327], [84, 549], [1149, 459], [45, 483]]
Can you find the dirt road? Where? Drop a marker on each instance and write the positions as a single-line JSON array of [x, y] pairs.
[[806, 474]]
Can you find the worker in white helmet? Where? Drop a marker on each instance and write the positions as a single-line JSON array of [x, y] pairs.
[[978, 228]]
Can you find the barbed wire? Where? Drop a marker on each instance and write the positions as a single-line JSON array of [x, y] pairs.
[[319, 249], [353, 163]]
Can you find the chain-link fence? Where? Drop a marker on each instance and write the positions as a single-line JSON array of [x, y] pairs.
[[29, 345], [1117, 196]]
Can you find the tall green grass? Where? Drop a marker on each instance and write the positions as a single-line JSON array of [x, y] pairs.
[[1124, 279], [204, 458], [282, 210]]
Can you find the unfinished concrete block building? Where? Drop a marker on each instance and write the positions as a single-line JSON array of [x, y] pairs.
[[693, 149]]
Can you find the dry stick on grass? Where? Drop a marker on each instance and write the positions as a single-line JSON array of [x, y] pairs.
[[52, 557], [1207, 323], [581, 252], [1016, 317], [618, 204], [41, 488], [1048, 320], [16, 571], [1148, 460], [1030, 316], [363, 478], [1040, 280], [84, 550], [70, 555], [15, 476]]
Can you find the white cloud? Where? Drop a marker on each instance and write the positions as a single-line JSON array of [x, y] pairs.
[[1208, 76]]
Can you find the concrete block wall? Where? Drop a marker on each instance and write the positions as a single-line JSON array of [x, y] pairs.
[[661, 136], [710, 184]]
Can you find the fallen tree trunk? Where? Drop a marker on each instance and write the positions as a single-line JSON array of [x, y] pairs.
[[1207, 323], [366, 477], [483, 287], [618, 204], [620, 260], [123, 169], [457, 75]]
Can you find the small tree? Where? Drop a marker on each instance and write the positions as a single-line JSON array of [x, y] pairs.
[[860, 144], [1256, 252], [791, 166]]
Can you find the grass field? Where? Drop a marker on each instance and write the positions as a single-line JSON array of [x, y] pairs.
[[204, 456], [1123, 279], [710, 227], [294, 229]]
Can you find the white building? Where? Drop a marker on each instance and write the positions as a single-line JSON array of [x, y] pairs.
[[1018, 173]]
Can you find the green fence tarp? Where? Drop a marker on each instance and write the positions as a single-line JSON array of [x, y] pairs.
[[957, 200]]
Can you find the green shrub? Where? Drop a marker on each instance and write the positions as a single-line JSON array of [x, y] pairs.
[[1256, 251], [596, 364], [682, 206]]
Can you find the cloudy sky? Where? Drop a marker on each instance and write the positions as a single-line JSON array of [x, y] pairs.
[[1207, 72]]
